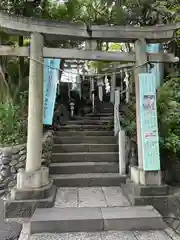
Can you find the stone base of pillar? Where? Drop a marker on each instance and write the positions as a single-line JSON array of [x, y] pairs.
[[33, 190], [139, 176], [139, 194], [163, 198], [31, 180], [30, 194], [146, 188]]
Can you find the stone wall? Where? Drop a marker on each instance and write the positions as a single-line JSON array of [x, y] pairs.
[[13, 158], [172, 173]]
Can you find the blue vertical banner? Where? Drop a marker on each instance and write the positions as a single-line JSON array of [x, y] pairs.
[[157, 70], [148, 122], [51, 78]]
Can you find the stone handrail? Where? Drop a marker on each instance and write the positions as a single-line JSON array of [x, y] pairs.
[[24, 25], [117, 126], [119, 132]]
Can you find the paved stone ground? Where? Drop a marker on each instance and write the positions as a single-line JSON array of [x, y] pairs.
[[8, 230], [151, 235], [90, 197], [96, 197], [168, 234]]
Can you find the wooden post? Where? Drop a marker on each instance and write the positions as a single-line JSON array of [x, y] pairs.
[[113, 86], [126, 79], [100, 88], [79, 80]]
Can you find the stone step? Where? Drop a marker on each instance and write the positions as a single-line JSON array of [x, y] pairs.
[[85, 127], [90, 122], [85, 157], [94, 118], [85, 147], [88, 180], [105, 103], [99, 114], [83, 167], [108, 107], [107, 110], [85, 139], [57, 220], [84, 133]]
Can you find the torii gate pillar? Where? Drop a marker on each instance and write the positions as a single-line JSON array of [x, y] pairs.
[[35, 110], [35, 176], [34, 188], [148, 170]]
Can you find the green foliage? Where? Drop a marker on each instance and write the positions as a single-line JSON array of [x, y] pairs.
[[168, 105], [115, 47], [23, 7], [128, 118], [13, 124], [148, 12], [168, 108], [11, 85]]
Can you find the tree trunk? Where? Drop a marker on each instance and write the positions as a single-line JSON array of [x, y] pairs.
[[4, 86], [21, 60], [118, 3]]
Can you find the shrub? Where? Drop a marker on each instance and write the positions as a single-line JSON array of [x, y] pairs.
[[13, 124], [168, 110], [168, 106], [128, 118]]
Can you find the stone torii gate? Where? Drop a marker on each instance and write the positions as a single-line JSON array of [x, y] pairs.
[[34, 179]]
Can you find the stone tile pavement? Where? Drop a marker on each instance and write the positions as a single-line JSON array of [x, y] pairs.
[[150, 235], [90, 197], [96, 197]]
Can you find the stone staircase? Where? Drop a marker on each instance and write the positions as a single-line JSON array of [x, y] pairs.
[[86, 154], [89, 198]]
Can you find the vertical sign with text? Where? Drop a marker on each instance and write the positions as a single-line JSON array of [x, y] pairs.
[[148, 121], [51, 77]]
